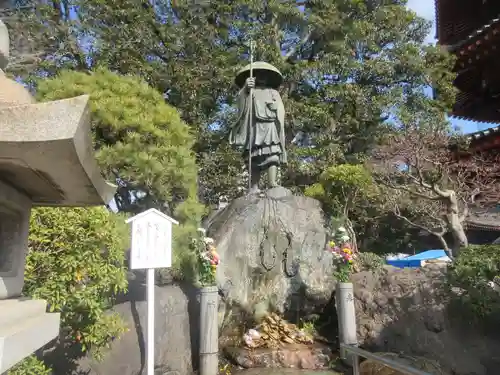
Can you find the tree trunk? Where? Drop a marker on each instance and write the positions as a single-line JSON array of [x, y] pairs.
[[455, 226], [458, 234]]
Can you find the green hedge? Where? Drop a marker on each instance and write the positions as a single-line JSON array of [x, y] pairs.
[[469, 279]]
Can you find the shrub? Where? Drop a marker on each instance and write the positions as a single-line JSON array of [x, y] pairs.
[[470, 280], [183, 257], [76, 263], [370, 262], [342, 187], [30, 366]]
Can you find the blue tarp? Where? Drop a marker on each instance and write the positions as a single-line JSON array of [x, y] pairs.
[[416, 260]]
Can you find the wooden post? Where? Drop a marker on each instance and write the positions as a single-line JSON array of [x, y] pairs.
[[209, 330], [346, 314]]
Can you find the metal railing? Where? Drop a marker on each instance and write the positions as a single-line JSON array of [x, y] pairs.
[[357, 353]]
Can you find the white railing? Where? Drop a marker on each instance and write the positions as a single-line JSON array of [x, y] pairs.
[[356, 353]]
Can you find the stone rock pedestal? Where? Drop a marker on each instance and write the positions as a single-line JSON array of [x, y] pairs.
[[24, 328], [272, 249]]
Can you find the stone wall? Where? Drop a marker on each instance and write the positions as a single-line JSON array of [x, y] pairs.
[[176, 335], [407, 311]]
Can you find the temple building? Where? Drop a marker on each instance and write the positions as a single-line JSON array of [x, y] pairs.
[[471, 30], [483, 223]]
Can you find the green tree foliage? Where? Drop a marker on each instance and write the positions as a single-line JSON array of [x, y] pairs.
[[76, 263], [137, 137], [474, 285], [346, 191], [342, 188], [349, 193], [351, 67], [140, 138]]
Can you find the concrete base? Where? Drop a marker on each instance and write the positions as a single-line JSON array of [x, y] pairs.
[[24, 328]]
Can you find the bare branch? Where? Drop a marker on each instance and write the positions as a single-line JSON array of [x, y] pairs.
[[397, 213], [439, 235], [421, 163]]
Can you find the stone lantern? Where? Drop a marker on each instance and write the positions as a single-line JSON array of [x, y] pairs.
[[46, 159]]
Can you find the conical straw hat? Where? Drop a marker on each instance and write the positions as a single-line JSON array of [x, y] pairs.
[[272, 74]]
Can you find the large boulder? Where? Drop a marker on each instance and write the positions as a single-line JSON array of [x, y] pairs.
[[272, 249], [408, 311]]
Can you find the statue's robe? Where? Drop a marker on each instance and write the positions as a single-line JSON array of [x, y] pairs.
[[264, 138]]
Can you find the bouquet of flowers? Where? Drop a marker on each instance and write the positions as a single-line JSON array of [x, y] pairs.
[[207, 258], [343, 255]]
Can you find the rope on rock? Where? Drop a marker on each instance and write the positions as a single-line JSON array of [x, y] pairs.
[[272, 217]]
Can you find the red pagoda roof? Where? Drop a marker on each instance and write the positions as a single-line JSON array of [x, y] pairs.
[[481, 134], [471, 30], [457, 20]]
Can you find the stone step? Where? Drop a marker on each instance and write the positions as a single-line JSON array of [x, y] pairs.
[[13, 310]]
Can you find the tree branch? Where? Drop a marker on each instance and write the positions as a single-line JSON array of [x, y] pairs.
[[439, 235], [275, 27], [291, 53], [410, 191]]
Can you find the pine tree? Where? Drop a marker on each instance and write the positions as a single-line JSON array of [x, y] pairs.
[[140, 141]]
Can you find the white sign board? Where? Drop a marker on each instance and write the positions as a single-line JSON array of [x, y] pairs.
[[151, 240], [151, 248]]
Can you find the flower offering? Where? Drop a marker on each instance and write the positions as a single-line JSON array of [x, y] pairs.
[[208, 259], [343, 255]]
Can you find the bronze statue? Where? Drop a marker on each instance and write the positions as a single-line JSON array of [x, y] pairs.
[[260, 125]]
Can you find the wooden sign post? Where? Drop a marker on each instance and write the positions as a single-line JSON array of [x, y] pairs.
[[151, 248]]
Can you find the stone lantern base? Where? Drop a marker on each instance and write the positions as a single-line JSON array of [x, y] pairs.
[[25, 327]]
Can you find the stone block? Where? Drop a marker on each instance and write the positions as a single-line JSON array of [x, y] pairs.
[[46, 150], [46, 159], [24, 328]]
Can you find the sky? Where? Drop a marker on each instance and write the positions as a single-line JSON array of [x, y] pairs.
[[425, 8]]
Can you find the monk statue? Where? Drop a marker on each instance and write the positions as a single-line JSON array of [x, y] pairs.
[[260, 125]]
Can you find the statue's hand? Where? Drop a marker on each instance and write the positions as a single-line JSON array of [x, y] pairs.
[[250, 83]]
